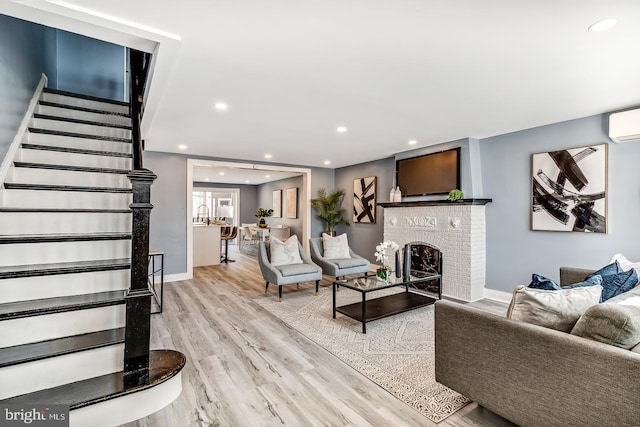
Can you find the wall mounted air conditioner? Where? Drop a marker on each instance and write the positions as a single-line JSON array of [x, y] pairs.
[[625, 126]]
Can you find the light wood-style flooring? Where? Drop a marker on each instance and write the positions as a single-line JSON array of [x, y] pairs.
[[247, 368]]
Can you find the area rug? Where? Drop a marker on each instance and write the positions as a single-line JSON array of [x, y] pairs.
[[397, 352]]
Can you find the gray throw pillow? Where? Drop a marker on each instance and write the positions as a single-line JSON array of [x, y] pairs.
[[610, 323], [559, 309]]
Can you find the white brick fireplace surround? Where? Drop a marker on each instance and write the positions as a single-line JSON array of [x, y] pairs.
[[457, 229]]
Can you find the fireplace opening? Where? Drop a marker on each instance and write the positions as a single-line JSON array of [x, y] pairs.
[[424, 261]]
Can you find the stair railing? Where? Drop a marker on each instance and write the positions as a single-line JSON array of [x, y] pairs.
[[138, 298]]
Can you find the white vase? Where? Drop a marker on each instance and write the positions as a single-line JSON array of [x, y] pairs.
[[398, 195], [392, 195]]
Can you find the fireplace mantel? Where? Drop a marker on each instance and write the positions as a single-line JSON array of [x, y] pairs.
[[435, 203]]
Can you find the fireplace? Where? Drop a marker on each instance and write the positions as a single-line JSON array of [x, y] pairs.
[[424, 260], [455, 229]]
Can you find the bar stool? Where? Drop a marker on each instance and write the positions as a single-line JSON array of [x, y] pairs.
[[226, 238]]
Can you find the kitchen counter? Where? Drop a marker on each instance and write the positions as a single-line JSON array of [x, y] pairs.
[[206, 244]]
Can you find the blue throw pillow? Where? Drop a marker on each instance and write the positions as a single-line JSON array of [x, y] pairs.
[[594, 279], [616, 283], [541, 282]]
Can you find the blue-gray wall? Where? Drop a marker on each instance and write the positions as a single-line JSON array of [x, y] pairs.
[[23, 60], [513, 250], [363, 238], [90, 67], [265, 200]]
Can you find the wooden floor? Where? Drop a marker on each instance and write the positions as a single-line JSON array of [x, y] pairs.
[[247, 368]]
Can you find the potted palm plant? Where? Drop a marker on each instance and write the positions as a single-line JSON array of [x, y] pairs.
[[329, 209], [262, 214]]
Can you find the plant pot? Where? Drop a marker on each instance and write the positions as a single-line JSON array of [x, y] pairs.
[[262, 223], [382, 274], [330, 233]]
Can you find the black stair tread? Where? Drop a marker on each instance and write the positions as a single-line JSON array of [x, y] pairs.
[[80, 121], [84, 109], [75, 150], [48, 187], [66, 237], [63, 210], [69, 168], [32, 270], [57, 347], [163, 365], [88, 97], [78, 135], [38, 307]]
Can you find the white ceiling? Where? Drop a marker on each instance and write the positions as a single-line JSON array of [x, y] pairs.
[[229, 175], [291, 71]]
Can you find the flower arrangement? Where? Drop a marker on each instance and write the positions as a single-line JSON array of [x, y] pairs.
[[262, 213], [383, 251]]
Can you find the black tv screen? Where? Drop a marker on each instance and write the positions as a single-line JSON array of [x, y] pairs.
[[431, 174]]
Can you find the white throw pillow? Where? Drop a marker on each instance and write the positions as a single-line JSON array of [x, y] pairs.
[[557, 309], [625, 263], [285, 253], [335, 247]]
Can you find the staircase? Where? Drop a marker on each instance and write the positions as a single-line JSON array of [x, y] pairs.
[[65, 267]]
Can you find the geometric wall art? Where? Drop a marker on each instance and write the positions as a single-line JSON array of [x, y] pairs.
[[364, 200], [569, 190]]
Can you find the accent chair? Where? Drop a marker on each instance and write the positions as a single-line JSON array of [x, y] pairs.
[[337, 267]]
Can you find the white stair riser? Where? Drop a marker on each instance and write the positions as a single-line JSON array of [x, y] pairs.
[[54, 252], [58, 325], [61, 158], [55, 371], [82, 143], [67, 222], [84, 103], [80, 128], [29, 288], [64, 177], [66, 199], [83, 115]]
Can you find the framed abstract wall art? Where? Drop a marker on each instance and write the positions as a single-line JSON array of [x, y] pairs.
[[277, 204], [569, 190], [292, 202], [364, 200]]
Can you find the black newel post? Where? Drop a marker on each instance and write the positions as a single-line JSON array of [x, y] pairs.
[[138, 299]]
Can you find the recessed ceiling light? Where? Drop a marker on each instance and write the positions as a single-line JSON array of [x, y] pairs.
[[603, 25], [267, 176], [182, 147], [206, 179], [413, 142], [220, 106], [341, 129], [220, 173], [268, 156], [247, 181], [327, 162]]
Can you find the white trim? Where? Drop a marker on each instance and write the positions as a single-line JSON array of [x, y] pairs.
[[22, 130], [306, 196], [176, 277], [497, 295], [130, 407]]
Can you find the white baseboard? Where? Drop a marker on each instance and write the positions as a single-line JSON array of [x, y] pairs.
[[175, 277], [497, 295]]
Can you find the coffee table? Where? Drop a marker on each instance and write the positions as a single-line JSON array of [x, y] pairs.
[[377, 308]]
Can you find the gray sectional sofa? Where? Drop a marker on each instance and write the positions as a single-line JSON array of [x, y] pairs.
[[535, 376]]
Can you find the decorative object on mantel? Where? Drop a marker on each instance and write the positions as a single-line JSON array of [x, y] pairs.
[[395, 195], [328, 207], [569, 190], [364, 200], [262, 213], [383, 250], [455, 195]]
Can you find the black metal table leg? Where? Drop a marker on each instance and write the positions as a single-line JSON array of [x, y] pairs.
[[364, 313], [333, 287]]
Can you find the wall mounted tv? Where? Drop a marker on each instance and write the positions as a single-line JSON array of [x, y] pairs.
[[431, 174]]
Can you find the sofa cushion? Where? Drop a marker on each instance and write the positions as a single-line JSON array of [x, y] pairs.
[[556, 309], [636, 349], [626, 264], [615, 280], [284, 253], [540, 282], [335, 247], [297, 269], [612, 323]]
